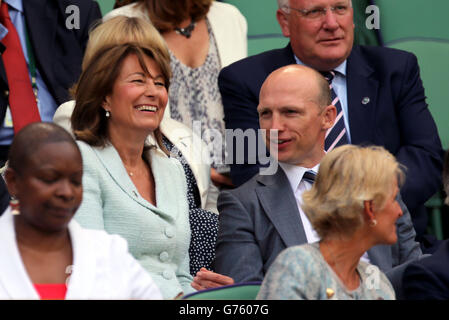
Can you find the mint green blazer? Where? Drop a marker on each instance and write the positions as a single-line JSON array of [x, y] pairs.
[[158, 237]]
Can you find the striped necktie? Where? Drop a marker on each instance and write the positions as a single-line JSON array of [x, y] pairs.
[[309, 176], [335, 136]]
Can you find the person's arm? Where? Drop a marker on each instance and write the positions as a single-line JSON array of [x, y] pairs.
[[240, 111], [408, 248], [405, 251], [90, 213], [206, 279], [421, 150], [420, 283], [237, 253]]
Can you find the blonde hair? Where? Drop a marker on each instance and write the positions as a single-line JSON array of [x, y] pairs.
[[109, 44], [120, 30], [348, 176]]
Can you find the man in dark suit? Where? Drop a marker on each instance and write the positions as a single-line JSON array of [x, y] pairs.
[[428, 279], [53, 35], [380, 91], [264, 216]]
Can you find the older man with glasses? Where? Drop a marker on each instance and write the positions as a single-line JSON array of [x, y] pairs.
[[377, 91]]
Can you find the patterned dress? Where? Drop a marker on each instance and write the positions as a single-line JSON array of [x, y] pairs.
[[195, 100], [203, 224], [301, 273]]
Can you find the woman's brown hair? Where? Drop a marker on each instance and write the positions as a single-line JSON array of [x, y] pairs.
[[168, 14], [89, 122], [109, 43]]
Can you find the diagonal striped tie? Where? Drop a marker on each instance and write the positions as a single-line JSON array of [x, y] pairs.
[[309, 176], [335, 136]]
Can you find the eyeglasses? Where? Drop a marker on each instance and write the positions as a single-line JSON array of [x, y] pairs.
[[318, 13]]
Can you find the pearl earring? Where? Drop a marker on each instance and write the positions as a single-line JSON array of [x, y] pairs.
[[108, 114]]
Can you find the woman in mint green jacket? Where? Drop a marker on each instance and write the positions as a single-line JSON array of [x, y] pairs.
[[131, 186]]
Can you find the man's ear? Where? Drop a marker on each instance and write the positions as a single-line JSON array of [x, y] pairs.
[[282, 18], [329, 115]]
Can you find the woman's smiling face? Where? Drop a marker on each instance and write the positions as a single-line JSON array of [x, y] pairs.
[[138, 97]]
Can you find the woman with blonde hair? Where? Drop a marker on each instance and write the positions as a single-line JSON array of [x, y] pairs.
[[352, 206]]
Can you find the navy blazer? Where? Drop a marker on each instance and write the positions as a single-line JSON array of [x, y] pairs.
[[396, 116], [428, 279], [58, 50], [261, 218]]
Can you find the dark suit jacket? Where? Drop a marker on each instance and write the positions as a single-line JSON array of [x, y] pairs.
[[396, 117], [260, 219], [58, 50], [428, 279], [4, 196]]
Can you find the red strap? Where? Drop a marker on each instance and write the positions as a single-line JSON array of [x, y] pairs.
[[52, 291], [21, 96]]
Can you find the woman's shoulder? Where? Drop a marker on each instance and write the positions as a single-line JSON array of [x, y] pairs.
[[308, 250], [86, 149], [130, 10], [224, 8], [304, 257]]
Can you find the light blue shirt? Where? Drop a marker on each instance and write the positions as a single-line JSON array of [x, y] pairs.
[[47, 105], [340, 88]]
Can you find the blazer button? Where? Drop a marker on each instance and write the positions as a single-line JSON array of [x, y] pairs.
[[169, 232], [167, 274], [163, 256]]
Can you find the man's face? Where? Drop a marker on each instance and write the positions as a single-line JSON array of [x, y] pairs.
[[288, 105], [322, 42]]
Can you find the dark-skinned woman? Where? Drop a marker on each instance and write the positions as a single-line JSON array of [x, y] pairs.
[[48, 254]]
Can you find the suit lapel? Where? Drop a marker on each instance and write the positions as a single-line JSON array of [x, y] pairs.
[[41, 20], [361, 87], [286, 58], [166, 206], [279, 203], [113, 164]]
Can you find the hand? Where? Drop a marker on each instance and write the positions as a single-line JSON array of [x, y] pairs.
[[206, 279], [219, 179]]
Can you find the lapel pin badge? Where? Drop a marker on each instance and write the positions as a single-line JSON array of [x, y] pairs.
[[329, 293], [365, 100]]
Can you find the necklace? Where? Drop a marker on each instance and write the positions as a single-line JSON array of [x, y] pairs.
[[130, 173], [187, 31]]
